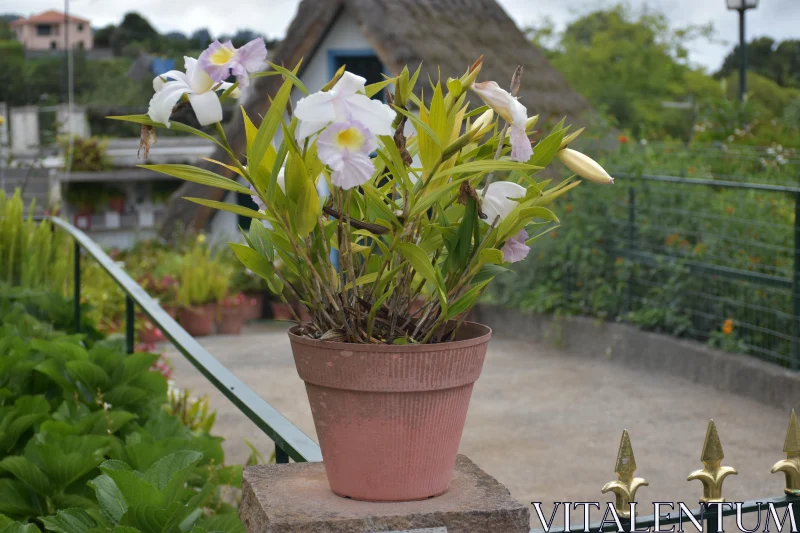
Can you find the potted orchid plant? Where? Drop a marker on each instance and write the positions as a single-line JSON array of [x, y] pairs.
[[370, 206]]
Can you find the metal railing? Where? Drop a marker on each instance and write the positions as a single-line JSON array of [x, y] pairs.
[[712, 260], [290, 441]]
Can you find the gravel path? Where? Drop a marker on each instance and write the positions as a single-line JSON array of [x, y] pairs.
[[544, 422]]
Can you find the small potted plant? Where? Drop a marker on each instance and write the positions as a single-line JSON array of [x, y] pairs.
[[83, 198], [202, 281], [231, 314], [437, 214]]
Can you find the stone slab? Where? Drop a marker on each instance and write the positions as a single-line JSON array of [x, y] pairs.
[[295, 498]]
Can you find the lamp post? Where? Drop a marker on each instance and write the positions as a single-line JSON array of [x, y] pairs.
[[741, 6]]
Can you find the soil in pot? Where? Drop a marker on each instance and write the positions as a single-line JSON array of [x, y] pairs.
[[198, 321], [390, 418], [231, 320]]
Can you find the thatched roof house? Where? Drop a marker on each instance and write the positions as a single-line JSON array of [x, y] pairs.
[[374, 36]]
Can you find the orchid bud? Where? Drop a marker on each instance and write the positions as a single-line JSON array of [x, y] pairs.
[[483, 124], [531, 122], [472, 74], [571, 137], [584, 166]]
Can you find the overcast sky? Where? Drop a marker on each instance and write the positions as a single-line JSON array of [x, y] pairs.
[[779, 19]]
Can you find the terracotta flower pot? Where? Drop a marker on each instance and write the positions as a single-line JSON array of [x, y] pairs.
[[231, 320], [389, 418], [254, 309], [198, 321], [280, 311], [150, 333]]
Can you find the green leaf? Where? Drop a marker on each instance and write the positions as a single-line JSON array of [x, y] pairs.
[[487, 273], [420, 125], [133, 366], [374, 88], [545, 150], [308, 209], [174, 126], [465, 301], [69, 521], [422, 264], [17, 499], [223, 523], [266, 131], [487, 166], [232, 208], [16, 527], [163, 471], [431, 197], [112, 502], [89, 374], [492, 256], [291, 76], [201, 176], [27, 472], [258, 264]]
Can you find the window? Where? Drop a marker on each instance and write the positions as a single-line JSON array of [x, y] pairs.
[[43, 29], [53, 45], [80, 27], [361, 62]]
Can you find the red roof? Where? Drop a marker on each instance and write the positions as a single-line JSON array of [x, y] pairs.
[[48, 17]]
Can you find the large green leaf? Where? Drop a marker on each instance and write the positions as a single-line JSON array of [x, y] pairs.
[[17, 527], [308, 209], [222, 523], [199, 175], [112, 502], [27, 472], [161, 474], [89, 374], [69, 521], [17, 499]]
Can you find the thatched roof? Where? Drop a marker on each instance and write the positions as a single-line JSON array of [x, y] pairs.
[[444, 35]]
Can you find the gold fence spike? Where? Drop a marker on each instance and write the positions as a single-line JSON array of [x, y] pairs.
[[791, 465], [713, 474], [626, 485]]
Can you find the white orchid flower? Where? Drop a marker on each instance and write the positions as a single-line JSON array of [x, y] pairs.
[[345, 102], [196, 84], [515, 249], [508, 107], [500, 200], [584, 166]]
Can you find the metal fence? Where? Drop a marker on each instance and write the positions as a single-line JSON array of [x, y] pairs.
[[712, 260], [290, 441]]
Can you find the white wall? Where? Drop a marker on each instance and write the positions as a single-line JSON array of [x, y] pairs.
[[344, 35]]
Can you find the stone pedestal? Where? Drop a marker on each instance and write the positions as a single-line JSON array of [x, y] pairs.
[[295, 498]]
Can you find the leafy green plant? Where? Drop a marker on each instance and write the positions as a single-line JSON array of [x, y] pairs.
[[86, 445], [88, 155], [202, 278], [32, 254]]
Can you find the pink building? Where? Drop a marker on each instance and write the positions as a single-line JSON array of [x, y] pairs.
[[48, 31]]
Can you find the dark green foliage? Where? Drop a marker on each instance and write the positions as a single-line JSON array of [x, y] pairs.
[[87, 446]]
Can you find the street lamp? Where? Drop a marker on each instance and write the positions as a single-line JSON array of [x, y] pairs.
[[741, 6]]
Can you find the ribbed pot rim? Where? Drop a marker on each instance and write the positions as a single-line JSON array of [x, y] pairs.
[[475, 333]]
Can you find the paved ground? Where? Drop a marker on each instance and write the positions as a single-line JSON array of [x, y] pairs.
[[544, 422]]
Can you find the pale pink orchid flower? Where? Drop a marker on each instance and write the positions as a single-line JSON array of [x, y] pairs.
[[345, 148], [508, 107], [220, 60], [515, 249]]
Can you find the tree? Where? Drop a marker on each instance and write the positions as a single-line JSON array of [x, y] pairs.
[[200, 39], [627, 65], [102, 37], [779, 62], [133, 29]]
